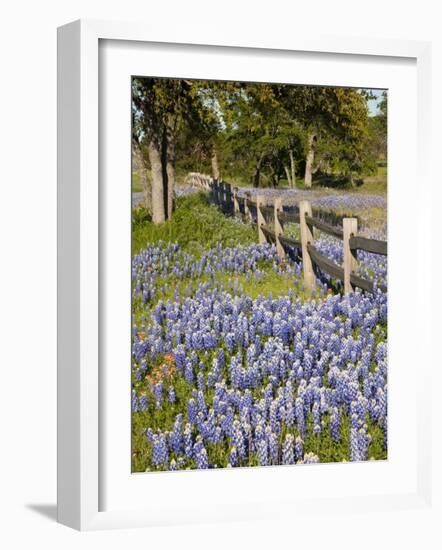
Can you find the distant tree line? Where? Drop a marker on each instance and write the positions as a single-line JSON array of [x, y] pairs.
[[260, 132]]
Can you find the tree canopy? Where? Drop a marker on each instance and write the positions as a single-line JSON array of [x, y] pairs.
[[258, 133]]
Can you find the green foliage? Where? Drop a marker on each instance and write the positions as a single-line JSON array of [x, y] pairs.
[[136, 183], [195, 225], [375, 184], [261, 133], [140, 216]]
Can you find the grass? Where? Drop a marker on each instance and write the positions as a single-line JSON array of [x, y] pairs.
[[376, 184], [196, 225], [373, 185], [136, 183], [267, 284]]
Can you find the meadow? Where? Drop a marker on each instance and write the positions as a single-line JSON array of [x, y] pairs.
[[234, 363]]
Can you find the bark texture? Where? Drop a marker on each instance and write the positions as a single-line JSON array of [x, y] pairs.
[[140, 166], [155, 158], [288, 175], [257, 173], [215, 165], [309, 161], [292, 168], [170, 174]]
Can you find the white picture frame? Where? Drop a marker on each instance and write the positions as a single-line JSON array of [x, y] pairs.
[[79, 294]]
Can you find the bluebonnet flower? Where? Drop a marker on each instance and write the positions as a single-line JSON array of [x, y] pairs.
[[202, 407], [189, 371], [326, 358], [238, 440], [188, 440], [354, 444], [142, 403], [176, 434], [272, 441], [134, 401], [158, 394], [299, 413], [274, 417], [299, 449], [172, 396], [311, 458], [363, 442], [316, 418], [200, 455], [288, 450], [149, 435], [233, 457], [160, 454], [230, 341], [262, 453], [192, 410]]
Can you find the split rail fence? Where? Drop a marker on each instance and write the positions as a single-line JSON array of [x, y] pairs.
[[270, 220]]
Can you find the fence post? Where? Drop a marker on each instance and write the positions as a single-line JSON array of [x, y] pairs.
[[260, 219], [215, 190], [247, 212], [218, 192], [350, 228], [222, 188], [228, 188], [278, 229], [236, 210], [305, 209]]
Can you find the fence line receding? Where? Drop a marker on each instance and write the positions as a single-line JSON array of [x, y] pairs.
[[270, 220]]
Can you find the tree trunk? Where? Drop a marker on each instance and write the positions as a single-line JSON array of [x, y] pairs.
[[256, 177], [289, 176], [170, 172], [215, 164], [168, 166], [158, 210], [257, 174], [309, 161], [164, 173], [147, 189], [273, 178], [293, 169], [140, 166]]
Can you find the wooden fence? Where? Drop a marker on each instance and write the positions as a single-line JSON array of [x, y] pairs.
[[196, 179], [270, 220]]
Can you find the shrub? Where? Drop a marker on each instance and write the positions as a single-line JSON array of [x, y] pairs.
[[195, 226]]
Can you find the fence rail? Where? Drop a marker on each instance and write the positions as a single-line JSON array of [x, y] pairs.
[[268, 233], [287, 217], [325, 263], [369, 245], [270, 220], [289, 241], [325, 227]]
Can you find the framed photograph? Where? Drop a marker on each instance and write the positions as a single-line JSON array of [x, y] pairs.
[[234, 342]]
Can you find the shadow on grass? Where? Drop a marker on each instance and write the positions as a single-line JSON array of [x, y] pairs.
[[336, 182]]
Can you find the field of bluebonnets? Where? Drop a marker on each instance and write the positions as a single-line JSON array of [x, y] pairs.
[[234, 363]]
